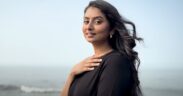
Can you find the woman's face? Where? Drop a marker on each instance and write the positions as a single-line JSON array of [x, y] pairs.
[[95, 26]]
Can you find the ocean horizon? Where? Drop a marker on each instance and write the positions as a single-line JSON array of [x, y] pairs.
[[48, 81]]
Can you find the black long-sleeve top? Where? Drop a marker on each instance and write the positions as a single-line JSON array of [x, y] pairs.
[[111, 78]]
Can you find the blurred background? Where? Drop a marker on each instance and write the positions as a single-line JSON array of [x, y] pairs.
[[40, 41]]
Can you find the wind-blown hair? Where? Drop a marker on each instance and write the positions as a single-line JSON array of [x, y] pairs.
[[122, 40]]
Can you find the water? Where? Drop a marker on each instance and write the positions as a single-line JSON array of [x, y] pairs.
[[32, 81], [162, 82], [48, 81]]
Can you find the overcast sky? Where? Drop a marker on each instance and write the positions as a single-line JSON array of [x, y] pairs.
[[48, 32]]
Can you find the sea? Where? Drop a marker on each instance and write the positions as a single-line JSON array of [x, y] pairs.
[[49, 81]]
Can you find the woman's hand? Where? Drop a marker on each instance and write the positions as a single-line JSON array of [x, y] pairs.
[[87, 64]]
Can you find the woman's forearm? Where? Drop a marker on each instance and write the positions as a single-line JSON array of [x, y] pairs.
[[66, 87]]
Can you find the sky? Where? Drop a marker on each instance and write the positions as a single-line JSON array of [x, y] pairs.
[[48, 32]]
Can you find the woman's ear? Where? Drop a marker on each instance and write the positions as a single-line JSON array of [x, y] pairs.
[[111, 33]]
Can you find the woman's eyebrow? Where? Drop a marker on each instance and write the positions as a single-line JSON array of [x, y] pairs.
[[86, 17], [96, 17]]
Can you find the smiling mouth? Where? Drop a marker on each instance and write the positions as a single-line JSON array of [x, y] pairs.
[[90, 34]]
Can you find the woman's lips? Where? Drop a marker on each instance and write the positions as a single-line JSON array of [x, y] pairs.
[[90, 34]]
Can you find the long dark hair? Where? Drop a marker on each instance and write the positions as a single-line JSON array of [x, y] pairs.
[[123, 39]]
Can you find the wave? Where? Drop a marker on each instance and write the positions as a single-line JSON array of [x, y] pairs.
[[27, 89], [36, 89]]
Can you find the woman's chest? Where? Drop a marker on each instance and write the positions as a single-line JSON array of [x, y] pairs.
[[86, 84]]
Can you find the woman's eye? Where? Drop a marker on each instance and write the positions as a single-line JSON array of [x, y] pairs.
[[85, 21], [98, 22]]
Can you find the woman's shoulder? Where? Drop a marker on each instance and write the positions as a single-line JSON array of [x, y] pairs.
[[116, 58], [115, 55]]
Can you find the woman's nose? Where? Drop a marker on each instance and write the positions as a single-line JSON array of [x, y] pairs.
[[90, 26]]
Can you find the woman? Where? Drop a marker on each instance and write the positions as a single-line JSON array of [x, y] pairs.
[[112, 70]]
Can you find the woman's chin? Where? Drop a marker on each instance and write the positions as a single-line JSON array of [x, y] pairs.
[[90, 39], [94, 41]]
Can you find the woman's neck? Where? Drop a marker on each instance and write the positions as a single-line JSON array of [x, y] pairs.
[[102, 49]]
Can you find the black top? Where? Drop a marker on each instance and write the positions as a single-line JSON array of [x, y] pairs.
[[111, 78]]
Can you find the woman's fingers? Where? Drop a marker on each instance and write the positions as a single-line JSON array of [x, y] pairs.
[[94, 60], [88, 68], [95, 57], [92, 64], [87, 64]]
